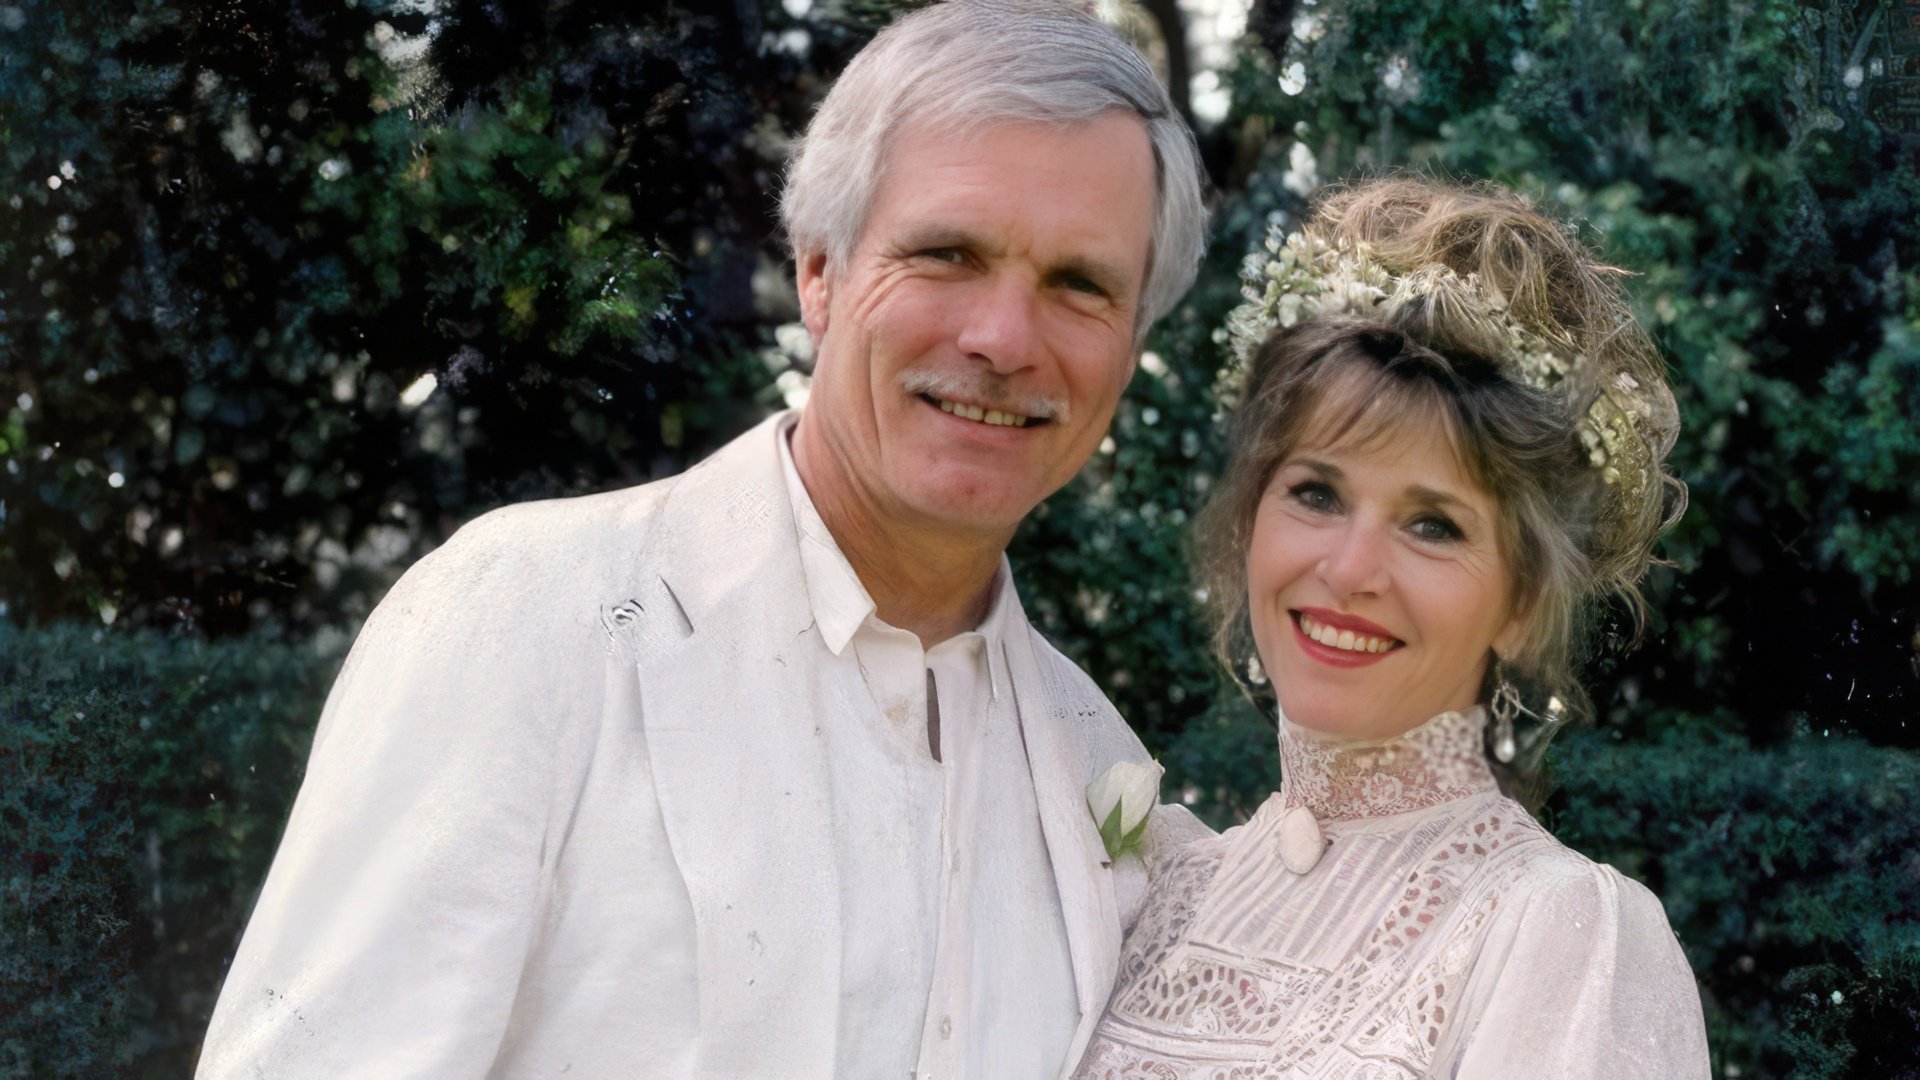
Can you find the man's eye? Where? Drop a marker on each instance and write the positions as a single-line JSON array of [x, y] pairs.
[[1314, 496], [1435, 527], [1084, 285], [953, 256]]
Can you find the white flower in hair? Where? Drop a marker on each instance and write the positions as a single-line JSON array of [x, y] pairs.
[[1303, 276]]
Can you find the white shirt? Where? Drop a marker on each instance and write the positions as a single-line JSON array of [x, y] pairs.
[[955, 961]]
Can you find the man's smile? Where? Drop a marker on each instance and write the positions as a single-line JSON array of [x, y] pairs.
[[984, 415]]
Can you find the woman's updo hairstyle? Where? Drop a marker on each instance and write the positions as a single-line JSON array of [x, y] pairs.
[[1573, 459]]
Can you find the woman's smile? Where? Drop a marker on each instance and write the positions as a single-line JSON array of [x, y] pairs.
[[1341, 640]]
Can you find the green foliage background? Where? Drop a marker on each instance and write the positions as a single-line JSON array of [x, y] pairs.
[[272, 219]]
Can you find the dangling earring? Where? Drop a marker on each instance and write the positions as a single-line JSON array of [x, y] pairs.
[[1506, 703]]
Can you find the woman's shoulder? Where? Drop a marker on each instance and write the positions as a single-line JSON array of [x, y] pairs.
[[1547, 867], [1544, 884], [1569, 937]]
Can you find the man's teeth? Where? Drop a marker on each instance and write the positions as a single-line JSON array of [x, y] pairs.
[[1343, 639], [985, 416]]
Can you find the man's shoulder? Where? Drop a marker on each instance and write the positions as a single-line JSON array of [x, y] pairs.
[[575, 539], [523, 578], [559, 565], [573, 521], [586, 539]]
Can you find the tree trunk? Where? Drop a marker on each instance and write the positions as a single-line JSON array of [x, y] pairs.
[[1173, 32]]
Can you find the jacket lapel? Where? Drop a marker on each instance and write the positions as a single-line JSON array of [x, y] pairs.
[[727, 694], [1051, 722]]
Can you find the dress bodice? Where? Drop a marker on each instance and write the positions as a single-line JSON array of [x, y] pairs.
[[1436, 912]]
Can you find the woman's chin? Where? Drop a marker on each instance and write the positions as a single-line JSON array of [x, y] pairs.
[[1327, 715], [1342, 717]]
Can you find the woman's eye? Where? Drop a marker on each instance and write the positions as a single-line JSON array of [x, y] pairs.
[[1434, 527], [1314, 496]]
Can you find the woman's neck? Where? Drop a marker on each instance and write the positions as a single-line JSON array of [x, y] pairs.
[[1441, 760]]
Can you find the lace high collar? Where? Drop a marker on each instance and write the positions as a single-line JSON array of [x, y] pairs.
[[1338, 779]]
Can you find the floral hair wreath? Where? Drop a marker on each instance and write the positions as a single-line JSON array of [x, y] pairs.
[[1626, 428]]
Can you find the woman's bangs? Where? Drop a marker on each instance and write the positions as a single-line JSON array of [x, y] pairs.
[[1364, 407]]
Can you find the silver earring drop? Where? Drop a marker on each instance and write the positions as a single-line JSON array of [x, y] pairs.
[[1506, 703]]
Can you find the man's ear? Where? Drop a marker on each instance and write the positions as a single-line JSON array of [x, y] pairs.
[[814, 280]]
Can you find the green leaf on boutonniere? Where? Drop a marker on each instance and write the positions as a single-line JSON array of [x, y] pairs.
[[1116, 842], [1110, 836]]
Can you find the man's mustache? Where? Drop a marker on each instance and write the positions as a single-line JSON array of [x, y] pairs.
[[985, 389]]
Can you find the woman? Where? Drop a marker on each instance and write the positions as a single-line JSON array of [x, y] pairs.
[[1449, 443]]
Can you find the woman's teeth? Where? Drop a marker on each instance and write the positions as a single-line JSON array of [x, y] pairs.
[[1343, 639], [985, 416]]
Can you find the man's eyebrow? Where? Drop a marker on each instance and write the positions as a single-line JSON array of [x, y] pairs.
[[925, 235], [1107, 275]]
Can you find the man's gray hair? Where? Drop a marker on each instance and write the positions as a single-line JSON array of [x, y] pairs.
[[966, 64]]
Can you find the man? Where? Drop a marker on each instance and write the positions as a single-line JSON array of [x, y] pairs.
[[759, 771]]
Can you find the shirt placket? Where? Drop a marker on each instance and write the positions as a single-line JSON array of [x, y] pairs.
[[944, 1034]]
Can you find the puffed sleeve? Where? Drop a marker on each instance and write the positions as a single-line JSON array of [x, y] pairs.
[[1580, 978], [390, 934]]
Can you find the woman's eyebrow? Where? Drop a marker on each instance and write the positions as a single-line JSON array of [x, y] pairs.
[[1442, 500], [1326, 470]]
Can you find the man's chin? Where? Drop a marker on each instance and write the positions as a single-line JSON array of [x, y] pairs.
[[969, 507]]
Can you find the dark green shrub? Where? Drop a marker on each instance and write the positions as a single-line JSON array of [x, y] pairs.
[[1790, 872], [144, 783]]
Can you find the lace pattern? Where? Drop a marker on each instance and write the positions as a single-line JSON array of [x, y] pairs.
[[1435, 763]]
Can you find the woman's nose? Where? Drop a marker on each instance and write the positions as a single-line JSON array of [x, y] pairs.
[[1355, 563]]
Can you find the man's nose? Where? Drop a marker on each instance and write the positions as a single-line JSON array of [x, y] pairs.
[[1001, 325], [1356, 563]]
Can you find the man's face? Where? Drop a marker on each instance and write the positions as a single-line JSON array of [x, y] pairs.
[[972, 350]]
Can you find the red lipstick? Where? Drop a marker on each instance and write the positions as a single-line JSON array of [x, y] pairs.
[[1342, 658]]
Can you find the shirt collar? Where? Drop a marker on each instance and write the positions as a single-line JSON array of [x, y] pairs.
[[841, 604], [994, 628]]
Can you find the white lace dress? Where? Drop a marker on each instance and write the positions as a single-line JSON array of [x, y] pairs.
[[1441, 932]]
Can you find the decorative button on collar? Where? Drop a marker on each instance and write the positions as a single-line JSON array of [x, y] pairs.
[[1301, 843]]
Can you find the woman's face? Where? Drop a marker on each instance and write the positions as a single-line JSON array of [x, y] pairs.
[[1376, 584]]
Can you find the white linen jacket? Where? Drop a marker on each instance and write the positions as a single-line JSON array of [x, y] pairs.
[[566, 810]]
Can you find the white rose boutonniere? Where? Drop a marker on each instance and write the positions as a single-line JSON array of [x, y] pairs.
[[1122, 800]]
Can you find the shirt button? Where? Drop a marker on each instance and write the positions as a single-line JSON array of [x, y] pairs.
[[946, 1027]]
